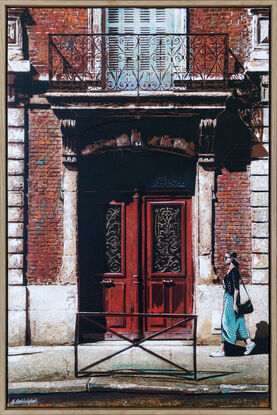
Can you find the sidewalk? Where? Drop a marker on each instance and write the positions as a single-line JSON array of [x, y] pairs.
[[45, 369]]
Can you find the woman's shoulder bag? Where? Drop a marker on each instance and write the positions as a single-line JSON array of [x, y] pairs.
[[247, 307]]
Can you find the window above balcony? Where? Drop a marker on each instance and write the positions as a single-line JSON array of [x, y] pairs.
[[145, 20], [259, 60]]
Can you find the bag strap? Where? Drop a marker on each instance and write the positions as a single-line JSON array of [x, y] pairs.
[[244, 286]]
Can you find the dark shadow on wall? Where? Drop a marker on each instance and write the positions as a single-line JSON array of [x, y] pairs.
[[232, 139], [261, 339]]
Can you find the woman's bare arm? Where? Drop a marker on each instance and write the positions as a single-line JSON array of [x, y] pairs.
[[235, 300]]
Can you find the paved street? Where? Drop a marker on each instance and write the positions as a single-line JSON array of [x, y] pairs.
[[114, 399], [220, 381]]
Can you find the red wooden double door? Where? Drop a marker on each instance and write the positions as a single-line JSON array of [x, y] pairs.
[[137, 252]]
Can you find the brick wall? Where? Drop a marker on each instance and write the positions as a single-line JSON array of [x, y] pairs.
[[51, 20], [233, 220], [233, 21], [45, 224]]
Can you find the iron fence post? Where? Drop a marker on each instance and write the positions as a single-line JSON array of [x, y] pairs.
[[76, 342], [194, 348]]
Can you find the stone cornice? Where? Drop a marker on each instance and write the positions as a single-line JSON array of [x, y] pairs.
[[136, 142]]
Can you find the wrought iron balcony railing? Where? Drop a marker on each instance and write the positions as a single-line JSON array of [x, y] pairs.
[[128, 62]]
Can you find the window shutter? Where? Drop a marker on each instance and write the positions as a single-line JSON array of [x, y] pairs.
[[153, 52]]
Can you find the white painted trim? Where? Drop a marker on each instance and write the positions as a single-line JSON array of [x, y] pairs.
[[68, 271], [141, 93], [180, 14], [90, 14], [97, 21]]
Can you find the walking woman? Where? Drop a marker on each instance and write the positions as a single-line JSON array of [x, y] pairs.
[[233, 325]]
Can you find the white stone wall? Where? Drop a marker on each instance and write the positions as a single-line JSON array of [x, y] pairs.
[[52, 313], [209, 307], [203, 225], [17, 130], [16, 182], [259, 171]]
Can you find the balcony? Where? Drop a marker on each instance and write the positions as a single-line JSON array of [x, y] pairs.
[[132, 63]]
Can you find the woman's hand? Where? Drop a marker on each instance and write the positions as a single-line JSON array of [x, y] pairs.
[[236, 308]]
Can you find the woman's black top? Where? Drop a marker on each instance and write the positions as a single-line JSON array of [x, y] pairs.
[[231, 281]]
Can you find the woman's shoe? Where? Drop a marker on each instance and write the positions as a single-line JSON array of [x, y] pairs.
[[218, 353], [249, 348]]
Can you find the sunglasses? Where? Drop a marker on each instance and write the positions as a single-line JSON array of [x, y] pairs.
[[226, 257]]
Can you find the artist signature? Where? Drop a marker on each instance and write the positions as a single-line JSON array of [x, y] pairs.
[[23, 401]]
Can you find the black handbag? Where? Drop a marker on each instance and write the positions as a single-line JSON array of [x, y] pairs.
[[247, 307]]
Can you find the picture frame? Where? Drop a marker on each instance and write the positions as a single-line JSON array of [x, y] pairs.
[[108, 407]]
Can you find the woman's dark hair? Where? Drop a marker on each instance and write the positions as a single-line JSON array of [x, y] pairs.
[[233, 256]]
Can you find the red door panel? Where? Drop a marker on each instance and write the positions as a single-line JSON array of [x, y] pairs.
[[137, 255], [168, 268], [156, 297], [115, 301]]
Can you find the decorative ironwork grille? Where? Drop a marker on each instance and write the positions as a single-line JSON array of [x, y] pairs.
[[113, 240], [129, 62], [167, 239], [93, 318]]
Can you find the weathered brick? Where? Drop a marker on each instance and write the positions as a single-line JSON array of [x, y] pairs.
[[260, 245], [260, 230], [50, 20], [15, 276], [15, 198], [15, 214], [259, 199], [260, 276], [232, 21], [233, 220], [259, 183], [259, 167], [260, 214], [16, 135], [15, 183], [15, 167], [45, 219], [15, 260], [15, 245], [15, 230], [260, 260], [16, 151], [16, 117]]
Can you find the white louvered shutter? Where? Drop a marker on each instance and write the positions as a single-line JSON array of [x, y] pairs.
[[133, 57]]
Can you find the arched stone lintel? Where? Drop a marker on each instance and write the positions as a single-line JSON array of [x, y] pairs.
[[136, 142]]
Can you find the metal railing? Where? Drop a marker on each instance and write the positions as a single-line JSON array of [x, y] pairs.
[[130, 62], [91, 317]]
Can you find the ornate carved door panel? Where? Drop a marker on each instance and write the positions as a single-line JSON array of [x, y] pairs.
[[135, 256], [108, 253]]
